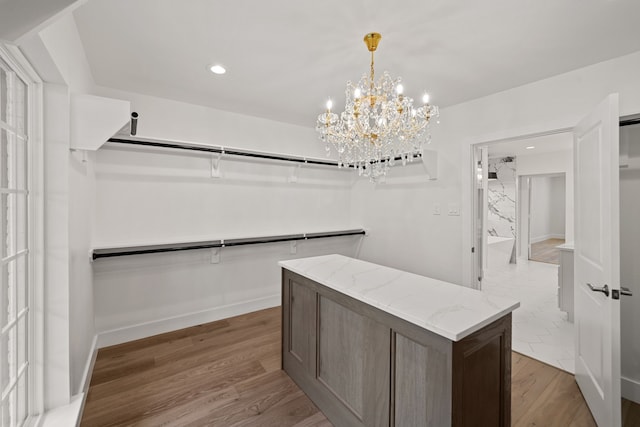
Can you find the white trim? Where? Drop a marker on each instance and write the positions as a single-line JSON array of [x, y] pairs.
[[630, 389], [21, 66], [88, 367], [86, 379], [147, 329], [64, 415]]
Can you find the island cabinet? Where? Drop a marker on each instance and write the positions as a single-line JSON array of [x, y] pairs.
[[369, 356]]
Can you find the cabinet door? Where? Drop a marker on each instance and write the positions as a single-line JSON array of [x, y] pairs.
[[353, 362], [336, 353]]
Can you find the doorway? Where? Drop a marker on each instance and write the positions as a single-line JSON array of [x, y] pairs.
[[544, 221], [527, 186], [601, 244]]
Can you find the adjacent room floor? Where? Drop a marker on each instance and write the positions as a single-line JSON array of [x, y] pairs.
[[546, 251], [540, 329]]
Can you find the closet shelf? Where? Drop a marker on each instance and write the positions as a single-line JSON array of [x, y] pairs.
[[222, 243]]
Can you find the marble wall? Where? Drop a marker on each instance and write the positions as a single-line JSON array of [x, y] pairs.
[[501, 218]]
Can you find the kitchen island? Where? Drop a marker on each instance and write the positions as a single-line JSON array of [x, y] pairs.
[[375, 346]]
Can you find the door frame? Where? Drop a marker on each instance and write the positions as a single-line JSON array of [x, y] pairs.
[[468, 198]]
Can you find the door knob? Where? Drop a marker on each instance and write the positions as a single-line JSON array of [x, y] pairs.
[[604, 289], [626, 291]]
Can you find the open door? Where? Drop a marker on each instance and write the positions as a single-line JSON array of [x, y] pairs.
[[597, 261]]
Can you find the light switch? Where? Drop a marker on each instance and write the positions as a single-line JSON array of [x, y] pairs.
[[436, 208]]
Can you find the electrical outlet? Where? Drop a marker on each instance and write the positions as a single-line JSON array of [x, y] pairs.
[[454, 210]]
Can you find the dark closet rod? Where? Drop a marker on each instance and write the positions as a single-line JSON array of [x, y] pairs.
[[219, 150], [226, 151], [174, 247], [630, 122]]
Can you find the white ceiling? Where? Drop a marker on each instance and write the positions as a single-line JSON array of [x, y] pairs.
[[286, 57]]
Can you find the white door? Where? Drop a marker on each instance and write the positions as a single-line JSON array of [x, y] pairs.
[[597, 261]]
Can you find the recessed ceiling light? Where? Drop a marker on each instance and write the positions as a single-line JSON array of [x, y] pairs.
[[217, 69], [531, 147]]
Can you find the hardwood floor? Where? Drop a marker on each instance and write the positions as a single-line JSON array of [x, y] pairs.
[[546, 251], [227, 373]]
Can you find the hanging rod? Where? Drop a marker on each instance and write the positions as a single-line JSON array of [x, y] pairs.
[[133, 127], [148, 142], [223, 243], [179, 145], [630, 122]]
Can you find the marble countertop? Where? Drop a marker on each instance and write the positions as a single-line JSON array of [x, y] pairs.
[[446, 309]]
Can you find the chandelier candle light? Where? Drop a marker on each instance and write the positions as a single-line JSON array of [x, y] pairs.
[[379, 124]]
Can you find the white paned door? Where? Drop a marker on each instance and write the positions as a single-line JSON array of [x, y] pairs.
[[597, 261]]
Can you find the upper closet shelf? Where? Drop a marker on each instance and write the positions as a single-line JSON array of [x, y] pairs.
[[97, 120], [94, 119]]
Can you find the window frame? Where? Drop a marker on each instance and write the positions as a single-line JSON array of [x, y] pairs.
[[35, 229]]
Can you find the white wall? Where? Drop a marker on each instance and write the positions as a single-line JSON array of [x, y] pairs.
[[404, 232], [81, 218], [629, 266], [557, 162], [540, 208], [547, 208], [69, 181], [147, 196]]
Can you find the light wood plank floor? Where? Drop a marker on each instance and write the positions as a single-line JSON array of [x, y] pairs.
[[227, 373], [546, 251]]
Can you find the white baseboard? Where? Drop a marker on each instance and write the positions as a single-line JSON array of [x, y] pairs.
[[147, 329], [86, 378], [630, 389], [88, 368], [65, 415]]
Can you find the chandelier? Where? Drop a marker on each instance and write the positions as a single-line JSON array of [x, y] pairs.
[[379, 124]]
